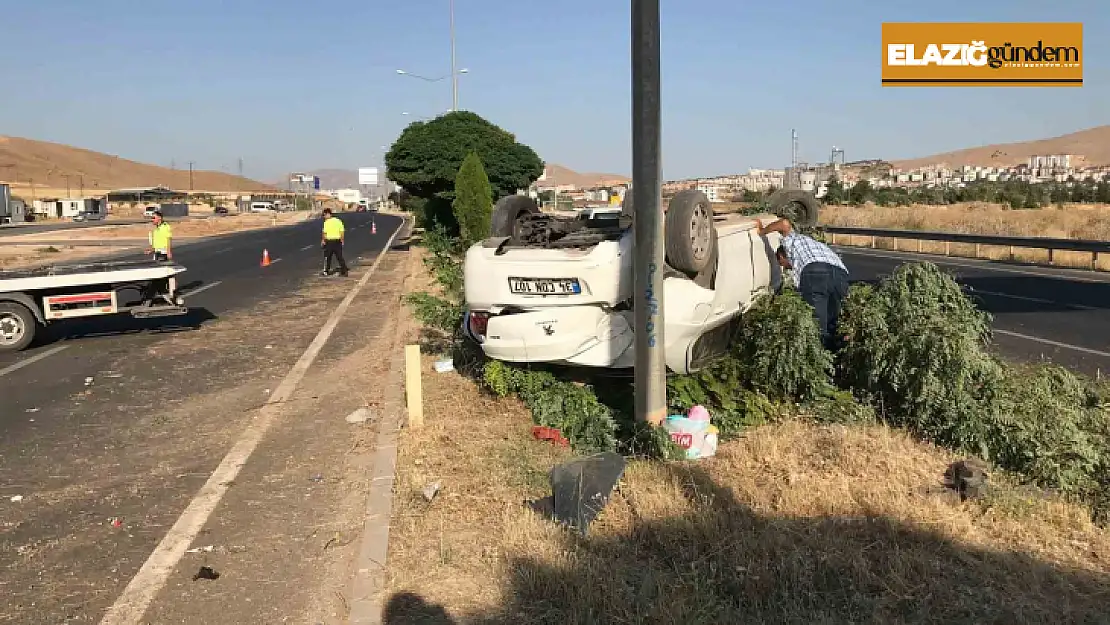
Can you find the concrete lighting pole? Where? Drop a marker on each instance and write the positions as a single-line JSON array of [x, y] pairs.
[[647, 250], [454, 73]]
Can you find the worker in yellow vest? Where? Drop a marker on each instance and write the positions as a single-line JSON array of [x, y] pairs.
[[160, 238], [333, 243]]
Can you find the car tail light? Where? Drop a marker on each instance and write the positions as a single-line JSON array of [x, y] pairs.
[[479, 320]]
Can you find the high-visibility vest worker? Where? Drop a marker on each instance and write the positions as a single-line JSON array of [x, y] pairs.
[[333, 229], [160, 237], [333, 243]]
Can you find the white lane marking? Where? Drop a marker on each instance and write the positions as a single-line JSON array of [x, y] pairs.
[[307, 247], [943, 260], [222, 250], [140, 592], [1037, 339], [276, 260], [1034, 299], [32, 360], [202, 289]]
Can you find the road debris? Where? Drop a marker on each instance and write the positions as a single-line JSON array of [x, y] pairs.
[[445, 365], [17, 498], [431, 490], [362, 415], [206, 572], [116, 522], [207, 549]]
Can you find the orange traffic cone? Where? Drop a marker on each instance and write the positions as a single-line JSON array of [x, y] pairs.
[[265, 258], [373, 227]]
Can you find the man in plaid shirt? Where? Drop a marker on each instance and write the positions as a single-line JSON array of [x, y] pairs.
[[819, 274]]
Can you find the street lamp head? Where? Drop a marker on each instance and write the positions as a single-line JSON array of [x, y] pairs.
[[464, 71], [401, 71]]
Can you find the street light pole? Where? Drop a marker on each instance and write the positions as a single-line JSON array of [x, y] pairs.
[[454, 72], [647, 251]]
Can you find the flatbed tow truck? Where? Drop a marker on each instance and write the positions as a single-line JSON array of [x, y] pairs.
[[32, 298]]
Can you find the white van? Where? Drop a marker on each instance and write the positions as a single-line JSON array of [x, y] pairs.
[[262, 207]]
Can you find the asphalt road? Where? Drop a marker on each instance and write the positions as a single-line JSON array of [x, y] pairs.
[[231, 262], [117, 418], [1040, 313]]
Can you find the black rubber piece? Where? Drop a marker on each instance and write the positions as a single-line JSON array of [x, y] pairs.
[[508, 211], [30, 326], [676, 232], [800, 207]]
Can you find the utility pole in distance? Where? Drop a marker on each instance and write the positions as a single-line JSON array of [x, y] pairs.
[[191, 163], [647, 249]]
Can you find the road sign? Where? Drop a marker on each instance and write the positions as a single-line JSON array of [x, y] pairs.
[[368, 176]]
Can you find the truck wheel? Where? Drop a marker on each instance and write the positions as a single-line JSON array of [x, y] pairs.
[[800, 207], [688, 232], [507, 213], [17, 327]]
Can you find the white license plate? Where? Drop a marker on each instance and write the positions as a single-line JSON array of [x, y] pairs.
[[544, 286]]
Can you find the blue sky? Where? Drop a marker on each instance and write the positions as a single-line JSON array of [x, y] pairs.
[[293, 85]]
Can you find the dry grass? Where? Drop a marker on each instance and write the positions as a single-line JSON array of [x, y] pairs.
[[1073, 221], [794, 523]]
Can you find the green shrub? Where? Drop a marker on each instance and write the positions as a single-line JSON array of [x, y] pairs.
[[779, 350], [573, 409], [916, 346], [433, 311], [721, 389], [473, 204], [1048, 428]]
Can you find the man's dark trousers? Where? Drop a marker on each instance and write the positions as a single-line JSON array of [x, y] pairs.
[[334, 247], [824, 287]]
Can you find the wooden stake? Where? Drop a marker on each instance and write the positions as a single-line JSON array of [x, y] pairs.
[[413, 390]]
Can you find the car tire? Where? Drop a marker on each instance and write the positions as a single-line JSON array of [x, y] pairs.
[[688, 232], [800, 207], [507, 213], [17, 327]]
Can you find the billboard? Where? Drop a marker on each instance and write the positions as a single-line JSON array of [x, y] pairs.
[[368, 175]]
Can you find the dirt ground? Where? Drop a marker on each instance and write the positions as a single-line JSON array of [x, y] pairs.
[[284, 538], [793, 523]]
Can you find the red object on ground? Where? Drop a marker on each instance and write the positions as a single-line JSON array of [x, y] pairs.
[[547, 433]]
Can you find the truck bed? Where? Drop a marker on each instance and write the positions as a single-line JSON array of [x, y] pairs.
[[62, 276]]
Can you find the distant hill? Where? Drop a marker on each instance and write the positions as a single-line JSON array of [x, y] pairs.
[[48, 164], [559, 175], [1091, 147]]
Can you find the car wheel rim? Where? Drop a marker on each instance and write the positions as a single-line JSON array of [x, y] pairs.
[[11, 328], [700, 224]]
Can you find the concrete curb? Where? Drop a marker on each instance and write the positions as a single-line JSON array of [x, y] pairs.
[[369, 581]]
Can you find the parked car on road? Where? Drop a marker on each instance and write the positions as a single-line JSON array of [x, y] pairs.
[[86, 216], [551, 289], [149, 212]]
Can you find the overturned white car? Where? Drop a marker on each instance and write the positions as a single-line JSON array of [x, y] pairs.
[[556, 290]]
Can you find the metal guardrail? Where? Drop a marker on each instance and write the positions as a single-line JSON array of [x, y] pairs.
[[1094, 248]]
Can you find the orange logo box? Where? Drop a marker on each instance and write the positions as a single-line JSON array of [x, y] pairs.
[[984, 54]]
